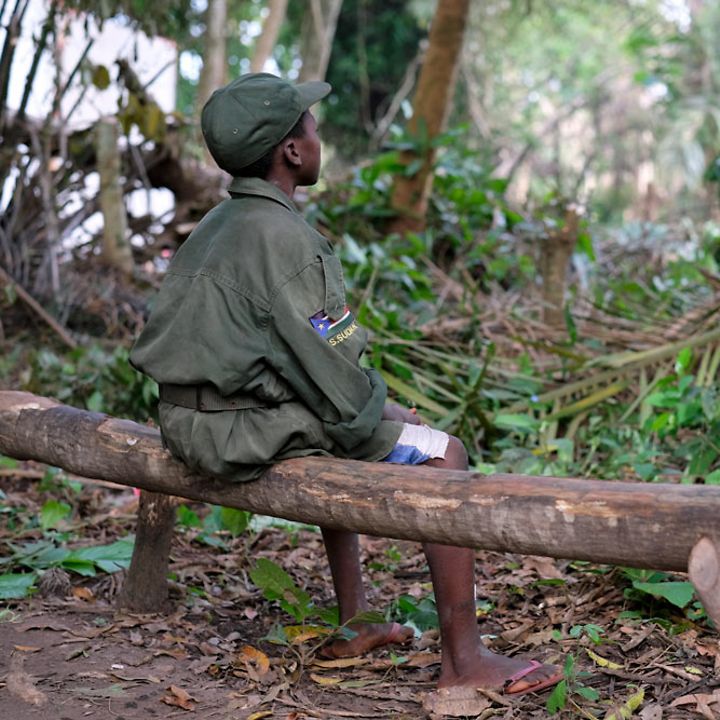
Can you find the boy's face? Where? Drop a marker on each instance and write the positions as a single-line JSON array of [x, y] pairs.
[[309, 148]]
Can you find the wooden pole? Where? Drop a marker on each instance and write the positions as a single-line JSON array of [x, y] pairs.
[[145, 588], [636, 524]]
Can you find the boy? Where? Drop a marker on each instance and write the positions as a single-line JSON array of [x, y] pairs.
[[257, 357]]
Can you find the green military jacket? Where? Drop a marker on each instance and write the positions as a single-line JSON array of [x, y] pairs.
[[254, 302]]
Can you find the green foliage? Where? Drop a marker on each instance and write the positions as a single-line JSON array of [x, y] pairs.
[[364, 79], [93, 378], [563, 692], [217, 521], [53, 513], [419, 614], [658, 585], [277, 585], [41, 555], [593, 632], [15, 586], [156, 17]]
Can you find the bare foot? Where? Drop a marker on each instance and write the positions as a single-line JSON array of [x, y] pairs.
[[368, 637], [489, 671]]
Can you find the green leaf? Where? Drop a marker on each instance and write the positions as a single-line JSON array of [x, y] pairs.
[[187, 517], [95, 402], [276, 584], [588, 693], [6, 462], [14, 586], [713, 478], [109, 558], [86, 568], [683, 361], [101, 77], [517, 422], [234, 521], [678, 593], [52, 513], [558, 698], [271, 579]]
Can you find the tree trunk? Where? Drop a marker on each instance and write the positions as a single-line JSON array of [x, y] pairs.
[[115, 246], [214, 69], [431, 107], [600, 521], [268, 36], [557, 249], [146, 588], [316, 39]]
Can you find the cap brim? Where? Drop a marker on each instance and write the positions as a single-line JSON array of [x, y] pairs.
[[312, 91]]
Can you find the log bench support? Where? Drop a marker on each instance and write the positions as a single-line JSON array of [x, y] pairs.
[[649, 525]]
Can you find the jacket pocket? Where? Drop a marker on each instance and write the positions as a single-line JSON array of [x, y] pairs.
[[334, 287]]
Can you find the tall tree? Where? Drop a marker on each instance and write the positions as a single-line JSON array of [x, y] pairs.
[[431, 107], [115, 246], [268, 36], [318, 31], [214, 69]]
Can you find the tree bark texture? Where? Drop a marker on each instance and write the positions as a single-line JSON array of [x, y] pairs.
[[145, 588], [214, 69], [431, 107], [316, 37], [636, 524], [556, 251], [115, 246], [268, 36]]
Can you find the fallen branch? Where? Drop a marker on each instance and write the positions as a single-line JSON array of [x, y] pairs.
[[35, 306]]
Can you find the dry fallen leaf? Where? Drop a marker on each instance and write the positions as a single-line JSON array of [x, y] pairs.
[[341, 662], [455, 702], [27, 648], [628, 708], [179, 698], [602, 662], [256, 662], [544, 567], [652, 712], [325, 679], [261, 714], [708, 699], [423, 659], [83, 593]]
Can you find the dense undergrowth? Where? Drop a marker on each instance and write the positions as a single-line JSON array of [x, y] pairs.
[[626, 389]]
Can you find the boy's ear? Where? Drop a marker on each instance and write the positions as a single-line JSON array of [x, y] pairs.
[[291, 153]]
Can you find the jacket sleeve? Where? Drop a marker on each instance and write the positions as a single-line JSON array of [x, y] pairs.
[[326, 376]]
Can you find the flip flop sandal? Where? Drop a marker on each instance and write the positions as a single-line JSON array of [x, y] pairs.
[[533, 665]]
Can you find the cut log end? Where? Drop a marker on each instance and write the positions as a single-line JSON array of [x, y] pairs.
[[704, 572]]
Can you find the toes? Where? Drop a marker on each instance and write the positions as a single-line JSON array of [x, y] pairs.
[[533, 678]]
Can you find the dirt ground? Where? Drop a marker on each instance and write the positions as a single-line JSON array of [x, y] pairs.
[[73, 657]]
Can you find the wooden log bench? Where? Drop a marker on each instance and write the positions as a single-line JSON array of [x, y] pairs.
[[648, 525]]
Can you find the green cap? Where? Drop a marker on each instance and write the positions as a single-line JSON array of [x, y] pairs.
[[248, 117]]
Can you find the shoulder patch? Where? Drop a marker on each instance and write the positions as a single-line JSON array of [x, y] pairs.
[[327, 327]]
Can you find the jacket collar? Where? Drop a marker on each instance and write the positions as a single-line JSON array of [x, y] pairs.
[[256, 186]]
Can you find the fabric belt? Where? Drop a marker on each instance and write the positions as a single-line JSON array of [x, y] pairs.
[[206, 398]]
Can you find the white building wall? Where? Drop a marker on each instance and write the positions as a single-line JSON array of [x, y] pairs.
[[116, 40]]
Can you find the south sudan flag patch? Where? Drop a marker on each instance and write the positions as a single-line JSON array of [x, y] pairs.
[[334, 330]]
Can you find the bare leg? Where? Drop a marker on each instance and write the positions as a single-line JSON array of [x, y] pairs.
[[465, 660], [344, 558]]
